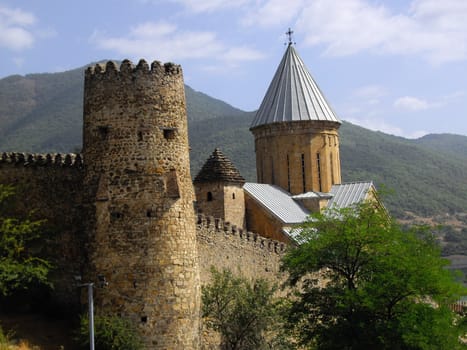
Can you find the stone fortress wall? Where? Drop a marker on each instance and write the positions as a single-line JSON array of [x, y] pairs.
[[51, 186], [125, 208]]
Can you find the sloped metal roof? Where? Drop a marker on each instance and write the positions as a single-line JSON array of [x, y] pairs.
[[278, 202], [311, 194], [344, 195], [293, 95]]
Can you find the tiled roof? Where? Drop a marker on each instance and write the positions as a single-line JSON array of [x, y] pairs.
[[293, 95], [219, 168], [344, 195], [278, 202]]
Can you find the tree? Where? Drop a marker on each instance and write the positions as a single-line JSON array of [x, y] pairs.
[[367, 284], [243, 312], [19, 267]]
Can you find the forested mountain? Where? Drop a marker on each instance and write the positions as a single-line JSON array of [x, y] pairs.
[[43, 113]]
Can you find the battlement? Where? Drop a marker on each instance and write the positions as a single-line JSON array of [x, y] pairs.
[[128, 70], [36, 159], [219, 226]]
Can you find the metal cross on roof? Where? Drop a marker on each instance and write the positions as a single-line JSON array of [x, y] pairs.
[[289, 34]]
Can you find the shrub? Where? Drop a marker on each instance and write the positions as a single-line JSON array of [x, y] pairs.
[[110, 333]]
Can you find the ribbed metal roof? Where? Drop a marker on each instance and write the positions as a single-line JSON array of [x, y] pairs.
[[311, 194], [293, 95], [278, 202], [344, 195]]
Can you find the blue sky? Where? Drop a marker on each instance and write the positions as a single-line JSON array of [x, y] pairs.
[[391, 65]]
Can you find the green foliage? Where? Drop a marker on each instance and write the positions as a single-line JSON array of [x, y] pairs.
[[3, 339], [243, 312], [20, 269], [110, 333], [385, 288]]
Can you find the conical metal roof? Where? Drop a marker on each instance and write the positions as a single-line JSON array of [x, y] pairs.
[[293, 95], [219, 168]]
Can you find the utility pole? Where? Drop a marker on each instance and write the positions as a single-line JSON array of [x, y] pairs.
[[102, 283]]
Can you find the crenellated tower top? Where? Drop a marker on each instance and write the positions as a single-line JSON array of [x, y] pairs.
[[128, 69]]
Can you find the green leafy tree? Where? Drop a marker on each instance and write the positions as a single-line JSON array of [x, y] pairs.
[[243, 312], [19, 268], [364, 283]]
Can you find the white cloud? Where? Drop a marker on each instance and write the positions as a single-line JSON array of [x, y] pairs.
[[14, 32], [164, 41], [437, 30], [202, 6], [272, 12], [411, 103], [378, 124]]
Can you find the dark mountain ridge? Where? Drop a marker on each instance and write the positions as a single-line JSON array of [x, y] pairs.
[[43, 113]]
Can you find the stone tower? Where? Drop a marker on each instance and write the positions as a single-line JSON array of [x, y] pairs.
[[219, 190], [140, 200], [295, 130]]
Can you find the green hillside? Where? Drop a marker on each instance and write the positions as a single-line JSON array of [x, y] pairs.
[[43, 113], [425, 181]]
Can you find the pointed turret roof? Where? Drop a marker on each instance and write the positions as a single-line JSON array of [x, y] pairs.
[[219, 168], [293, 95]]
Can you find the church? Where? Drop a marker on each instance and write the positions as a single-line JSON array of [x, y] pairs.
[[125, 209], [297, 161]]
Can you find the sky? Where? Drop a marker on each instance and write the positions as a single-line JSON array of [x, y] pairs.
[[397, 66]]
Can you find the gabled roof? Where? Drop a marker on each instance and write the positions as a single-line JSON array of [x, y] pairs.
[[344, 195], [219, 168], [293, 95], [278, 202]]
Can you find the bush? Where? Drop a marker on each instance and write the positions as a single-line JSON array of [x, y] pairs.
[[244, 312], [110, 333]]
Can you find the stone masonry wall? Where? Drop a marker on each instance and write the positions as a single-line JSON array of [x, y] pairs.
[[49, 187], [223, 246], [52, 186], [246, 253], [140, 213], [286, 151]]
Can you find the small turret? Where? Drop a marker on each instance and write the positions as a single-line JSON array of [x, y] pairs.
[[219, 190]]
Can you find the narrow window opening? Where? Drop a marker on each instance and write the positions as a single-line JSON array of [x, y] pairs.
[[144, 319], [303, 173], [149, 213], [169, 133], [140, 136], [103, 132], [233, 195], [332, 170], [116, 215], [273, 179], [209, 197], [260, 175], [318, 168]]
